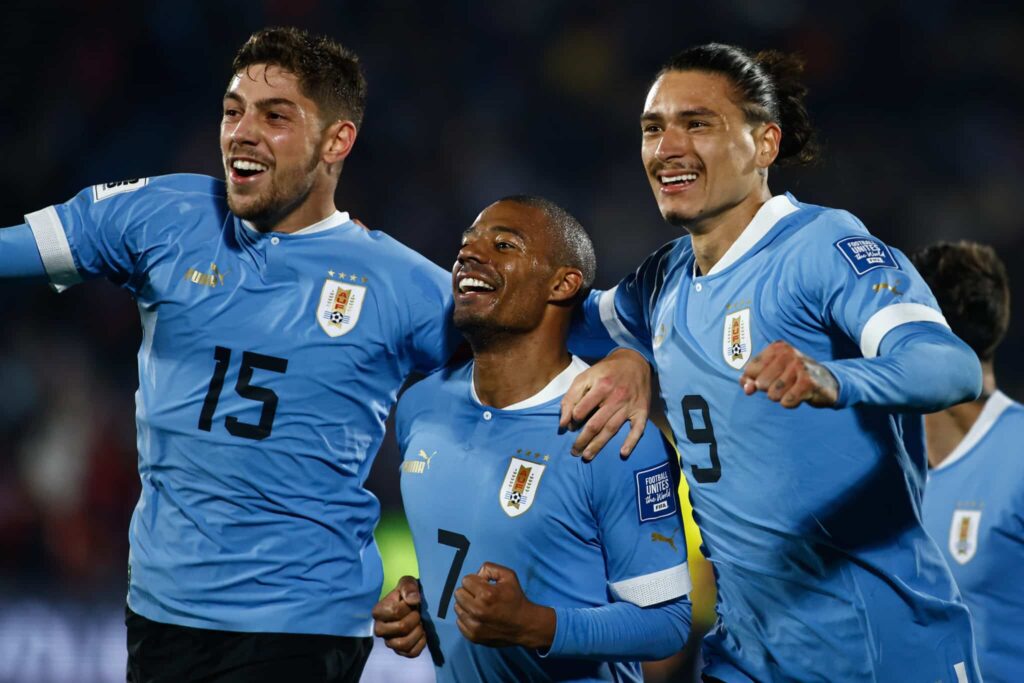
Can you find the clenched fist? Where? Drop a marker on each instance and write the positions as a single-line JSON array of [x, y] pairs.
[[492, 609], [396, 619], [789, 378]]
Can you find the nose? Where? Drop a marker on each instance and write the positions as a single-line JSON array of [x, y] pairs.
[[674, 143], [470, 251], [244, 131]]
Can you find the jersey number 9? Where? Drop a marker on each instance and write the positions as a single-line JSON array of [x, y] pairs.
[[705, 434]]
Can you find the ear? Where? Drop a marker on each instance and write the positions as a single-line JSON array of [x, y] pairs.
[[337, 142], [565, 284], [767, 138]]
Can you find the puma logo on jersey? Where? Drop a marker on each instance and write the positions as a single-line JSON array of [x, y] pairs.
[[418, 466], [661, 538], [211, 279], [885, 285]]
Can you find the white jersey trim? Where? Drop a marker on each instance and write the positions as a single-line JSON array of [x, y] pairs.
[[610, 318], [891, 317], [555, 388], [770, 213], [334, 220], [54, 248], [652, 589], [994, 407]]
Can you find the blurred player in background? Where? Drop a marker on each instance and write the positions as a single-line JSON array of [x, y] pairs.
[[810, 516], [573, 570], [974, 501], [276, 333]]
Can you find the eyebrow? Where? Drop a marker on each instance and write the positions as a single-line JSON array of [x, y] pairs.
[[262, 104], [497, 228], [696, 111]]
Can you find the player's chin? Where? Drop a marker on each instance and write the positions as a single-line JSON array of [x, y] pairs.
[[467, 319], [246, 206], [678, 218]]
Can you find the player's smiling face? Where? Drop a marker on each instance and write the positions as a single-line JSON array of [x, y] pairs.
[[270, 137], [502, 277], [698, 148]]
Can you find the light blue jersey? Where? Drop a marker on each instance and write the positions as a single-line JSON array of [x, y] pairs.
[[267, 367], [974, 509], [483, 484], [810, 517]]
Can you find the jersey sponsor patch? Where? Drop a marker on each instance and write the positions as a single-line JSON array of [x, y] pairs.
[[736, 341], [655, 493], [865, 254], [963, 535], [108, 190], [519, 487], [339, 307]]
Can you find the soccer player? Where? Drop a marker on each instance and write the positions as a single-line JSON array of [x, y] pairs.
[[535, 565], [810, 516], [974, 500], [276, 334]]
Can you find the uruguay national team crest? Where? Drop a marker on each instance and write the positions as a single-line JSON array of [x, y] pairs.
[[520, 486], [963, 535], [736, 338], [340, 304]]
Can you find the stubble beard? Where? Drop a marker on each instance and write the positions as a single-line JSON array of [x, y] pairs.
[[265, 209]]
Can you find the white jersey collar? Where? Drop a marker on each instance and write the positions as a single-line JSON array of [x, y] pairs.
[[994, 407], [334, 220], [770, 213], [555, 388]]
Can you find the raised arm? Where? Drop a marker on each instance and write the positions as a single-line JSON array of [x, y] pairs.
[[19, 255]]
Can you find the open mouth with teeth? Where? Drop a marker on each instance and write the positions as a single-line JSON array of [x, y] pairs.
[[469, 285], [243, 169], [677, 180]]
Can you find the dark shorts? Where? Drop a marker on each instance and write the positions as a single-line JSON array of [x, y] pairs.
[[165, 653]]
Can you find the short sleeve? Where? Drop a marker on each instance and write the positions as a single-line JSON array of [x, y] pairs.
[[860, 284], [636, 504], [93, 235], [430, 336], [620, 316]]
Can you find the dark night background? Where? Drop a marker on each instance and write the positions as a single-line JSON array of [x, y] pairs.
[[917, 104]]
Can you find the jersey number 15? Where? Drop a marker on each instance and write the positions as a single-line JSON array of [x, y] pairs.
[[250, 361]]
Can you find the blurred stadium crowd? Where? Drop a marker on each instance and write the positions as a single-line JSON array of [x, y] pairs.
[[916, 104]]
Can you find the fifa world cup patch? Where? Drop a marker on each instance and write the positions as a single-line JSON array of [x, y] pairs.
[[107, 190], [963, 535], [655, 493], [519, 487], [339, 307], [864, 254]]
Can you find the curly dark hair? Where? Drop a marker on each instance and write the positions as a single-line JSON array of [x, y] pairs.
[[328, 73], [973, 290]]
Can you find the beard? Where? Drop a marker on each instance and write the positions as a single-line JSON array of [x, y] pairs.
[[677, 219], [280, 198]]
